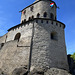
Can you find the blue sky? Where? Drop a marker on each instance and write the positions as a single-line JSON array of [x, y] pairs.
[[10, 16]]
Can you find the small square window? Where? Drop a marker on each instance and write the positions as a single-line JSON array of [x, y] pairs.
[[54, 36]]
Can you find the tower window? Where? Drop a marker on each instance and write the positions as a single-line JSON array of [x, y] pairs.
[[32, 16], [45, 14], [29, 18], [31, 8], [54, 36], [36, 21], [24, 20], [41, 21], [47, 22], [38, 15], [51, 16], [17, 36]]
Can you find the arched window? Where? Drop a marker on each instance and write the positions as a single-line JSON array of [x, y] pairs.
[[24, 20], [45, 14], [51, 16], [54, 36], [32, 16], [38, 15], [17, 36]]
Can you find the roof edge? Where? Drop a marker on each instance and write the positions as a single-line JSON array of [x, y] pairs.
[[33, 20], [35, 3]]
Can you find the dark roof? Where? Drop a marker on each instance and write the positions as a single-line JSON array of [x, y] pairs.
[[35, 3], [32, 20]]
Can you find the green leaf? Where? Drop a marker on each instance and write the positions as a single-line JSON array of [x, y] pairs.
[[73, 56]]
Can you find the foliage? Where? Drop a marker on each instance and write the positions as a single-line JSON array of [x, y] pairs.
[[73, 56]]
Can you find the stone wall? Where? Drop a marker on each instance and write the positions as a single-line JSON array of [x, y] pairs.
[[51, 71], [15, 53], [46, 52], [12, 57]]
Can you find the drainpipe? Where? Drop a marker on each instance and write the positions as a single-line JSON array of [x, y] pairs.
[[31, 46]]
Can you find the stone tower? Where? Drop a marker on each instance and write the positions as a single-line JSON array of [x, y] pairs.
[[49, 48], [38, 41]]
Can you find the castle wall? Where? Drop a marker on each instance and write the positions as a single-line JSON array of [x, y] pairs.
[[15, 53], [40, 7], [48, 48], [12, 57], [46, 52], [25, 30]]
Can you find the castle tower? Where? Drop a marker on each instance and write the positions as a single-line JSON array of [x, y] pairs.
[[37, 42], [39, 10], [49, 48]]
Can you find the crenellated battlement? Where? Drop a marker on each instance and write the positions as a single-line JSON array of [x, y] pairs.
[[39, 20]]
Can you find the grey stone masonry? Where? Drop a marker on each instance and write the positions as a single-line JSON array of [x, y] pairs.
[[47, 52]]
